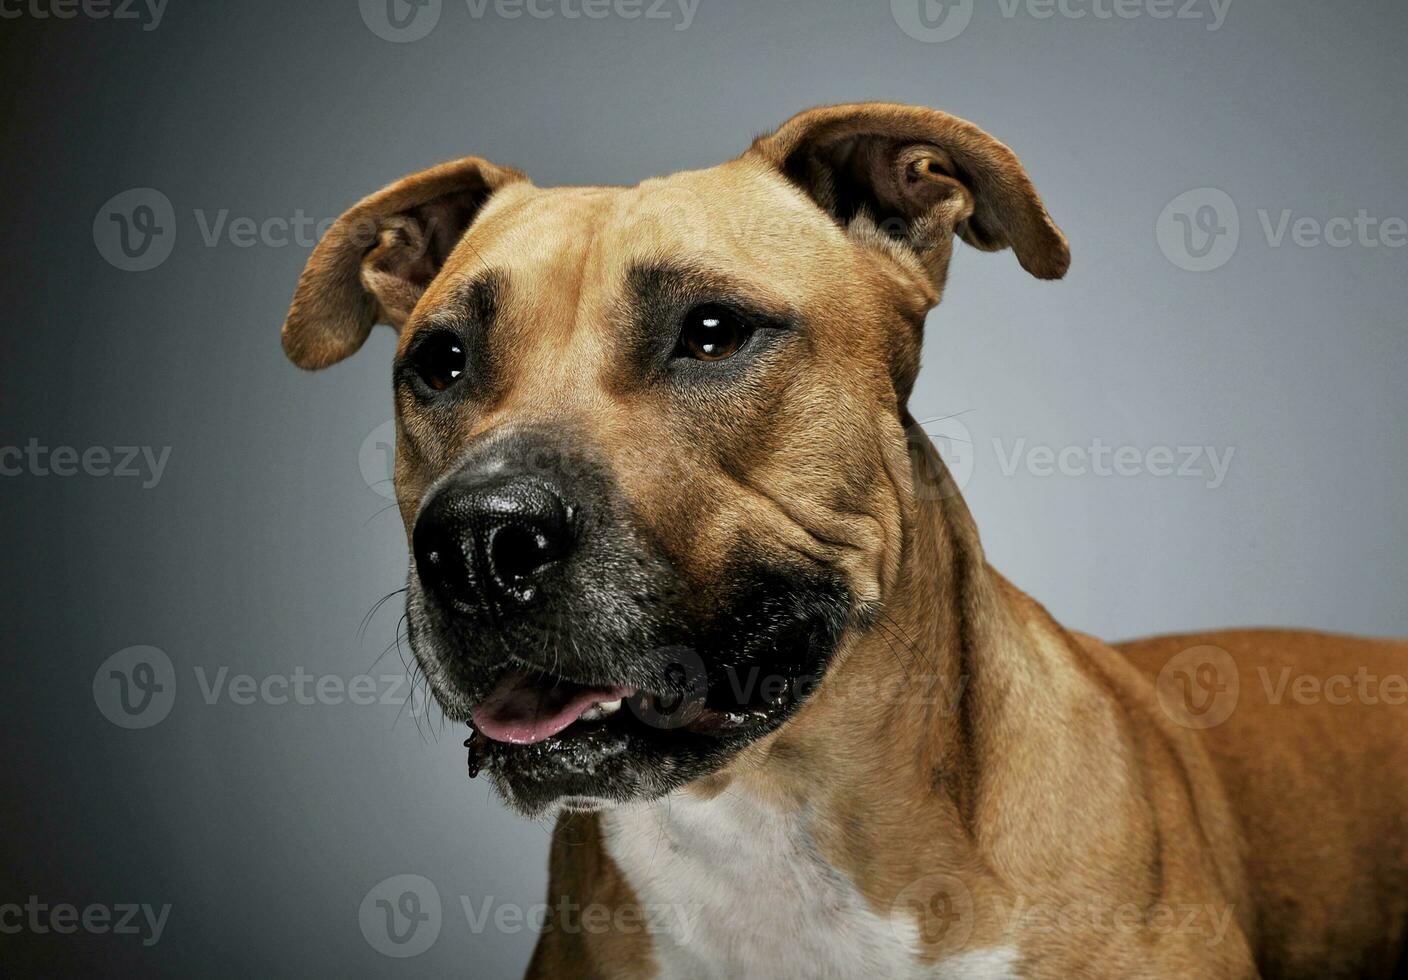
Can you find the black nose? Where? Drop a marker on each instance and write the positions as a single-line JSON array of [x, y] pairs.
[[489, 543]]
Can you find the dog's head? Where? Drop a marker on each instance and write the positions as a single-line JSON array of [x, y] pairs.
[[652, 454]]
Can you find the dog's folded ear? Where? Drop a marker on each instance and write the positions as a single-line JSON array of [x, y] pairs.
[[377, 259], [917, 177]]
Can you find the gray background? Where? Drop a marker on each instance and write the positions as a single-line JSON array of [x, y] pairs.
[[263, 546]]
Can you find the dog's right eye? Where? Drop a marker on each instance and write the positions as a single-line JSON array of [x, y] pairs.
[[439, 360], [712, 333]]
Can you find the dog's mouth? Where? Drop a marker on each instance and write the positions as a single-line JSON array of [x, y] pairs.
[[524, 710], [622, 683], [540, 722]]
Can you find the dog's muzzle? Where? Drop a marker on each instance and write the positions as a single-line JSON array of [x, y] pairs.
[[540, 607]]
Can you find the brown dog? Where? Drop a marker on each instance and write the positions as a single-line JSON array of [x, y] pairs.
[[653, 450]]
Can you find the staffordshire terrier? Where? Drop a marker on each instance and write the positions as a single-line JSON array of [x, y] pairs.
[[703, 589]]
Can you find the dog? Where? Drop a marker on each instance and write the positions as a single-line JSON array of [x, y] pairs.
[[702, 588]]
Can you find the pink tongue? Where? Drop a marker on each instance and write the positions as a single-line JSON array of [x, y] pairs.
[[523, 711]]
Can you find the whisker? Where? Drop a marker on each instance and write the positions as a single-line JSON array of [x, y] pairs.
[[890, 645], [367, 619], [396, 642], [945, 418], [892, 628]]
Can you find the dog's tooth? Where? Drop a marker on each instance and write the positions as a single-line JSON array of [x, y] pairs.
[[608, 707]]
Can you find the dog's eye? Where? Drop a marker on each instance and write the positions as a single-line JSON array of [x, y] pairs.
[[439, 360], [712, 333]]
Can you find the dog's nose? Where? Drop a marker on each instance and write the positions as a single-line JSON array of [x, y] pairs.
[[490, 543]]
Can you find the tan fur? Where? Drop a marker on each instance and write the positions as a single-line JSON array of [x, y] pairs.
[[1045, 777]]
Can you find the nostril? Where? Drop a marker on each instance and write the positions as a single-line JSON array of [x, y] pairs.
[[518, 551], [440, 559]]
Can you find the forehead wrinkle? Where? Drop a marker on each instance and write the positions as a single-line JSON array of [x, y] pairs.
[[551, 330], [591, 257]]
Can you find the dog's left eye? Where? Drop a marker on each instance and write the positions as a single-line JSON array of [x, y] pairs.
[[712, 333], [439, 360]]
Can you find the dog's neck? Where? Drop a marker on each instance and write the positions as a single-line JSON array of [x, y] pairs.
[[990, 718]]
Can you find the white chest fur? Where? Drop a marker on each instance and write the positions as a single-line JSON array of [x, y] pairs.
[[736, 890]]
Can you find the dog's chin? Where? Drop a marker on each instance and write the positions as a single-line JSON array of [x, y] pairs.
[[663, 712]]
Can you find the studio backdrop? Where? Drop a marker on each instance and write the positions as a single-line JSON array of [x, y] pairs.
[[218, 758]]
